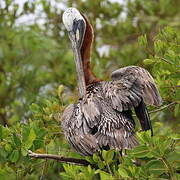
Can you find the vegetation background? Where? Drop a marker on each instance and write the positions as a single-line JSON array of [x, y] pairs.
[[38, 80]]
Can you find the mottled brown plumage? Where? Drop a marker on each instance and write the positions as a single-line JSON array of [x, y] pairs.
[[102, 117]]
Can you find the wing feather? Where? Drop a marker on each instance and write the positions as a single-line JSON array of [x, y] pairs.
[[77, 131], [129, 86]]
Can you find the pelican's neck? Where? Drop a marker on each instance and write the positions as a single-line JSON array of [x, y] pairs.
[[86, 53]]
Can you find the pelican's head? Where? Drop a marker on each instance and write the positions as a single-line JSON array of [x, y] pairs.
[[75, 25]]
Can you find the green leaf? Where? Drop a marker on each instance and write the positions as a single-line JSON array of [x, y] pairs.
[[101, 164], [123, 173], [159, 46], [148, 61], [89, 159], [14, 156], [16, 139], [175, 136], [156, 167], [24, 151], [96, 158], [25, 133], [145, 137], [3, 155], [40, 132], [30, 139], [173, 156], [34, 107], [60, 90], [177, 110], [4, 132], [142, 40], [140, 151], [105, 175], [108, 155], [8, 147]]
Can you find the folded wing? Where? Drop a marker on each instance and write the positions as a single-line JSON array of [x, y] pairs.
[[76, 130], [133, 86], [135, 83]]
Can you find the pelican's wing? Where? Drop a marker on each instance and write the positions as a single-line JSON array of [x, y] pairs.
[[112, 129], [77, 131], [131, 87]]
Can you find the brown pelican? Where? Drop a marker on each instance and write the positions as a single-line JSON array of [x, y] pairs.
[[102, 117]]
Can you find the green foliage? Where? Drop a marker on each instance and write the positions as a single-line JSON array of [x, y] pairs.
[[155, 157], [37, 81]]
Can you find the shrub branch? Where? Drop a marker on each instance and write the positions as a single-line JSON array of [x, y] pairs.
[[81, 162], [161, 108]]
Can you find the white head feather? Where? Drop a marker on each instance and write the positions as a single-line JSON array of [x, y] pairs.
[[69, 16]]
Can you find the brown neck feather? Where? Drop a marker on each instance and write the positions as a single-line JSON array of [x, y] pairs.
[[86, 53]]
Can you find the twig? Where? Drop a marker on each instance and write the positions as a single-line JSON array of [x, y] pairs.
[[80, 162], [178, 86], [161, 108], [164, 107], [169, 168], [165, 60]]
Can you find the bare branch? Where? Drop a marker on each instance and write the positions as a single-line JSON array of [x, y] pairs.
[[164, 107], [161, 108], [178, 86], [80, 162]]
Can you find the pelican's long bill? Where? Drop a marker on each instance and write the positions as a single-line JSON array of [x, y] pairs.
[[76, 27]]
